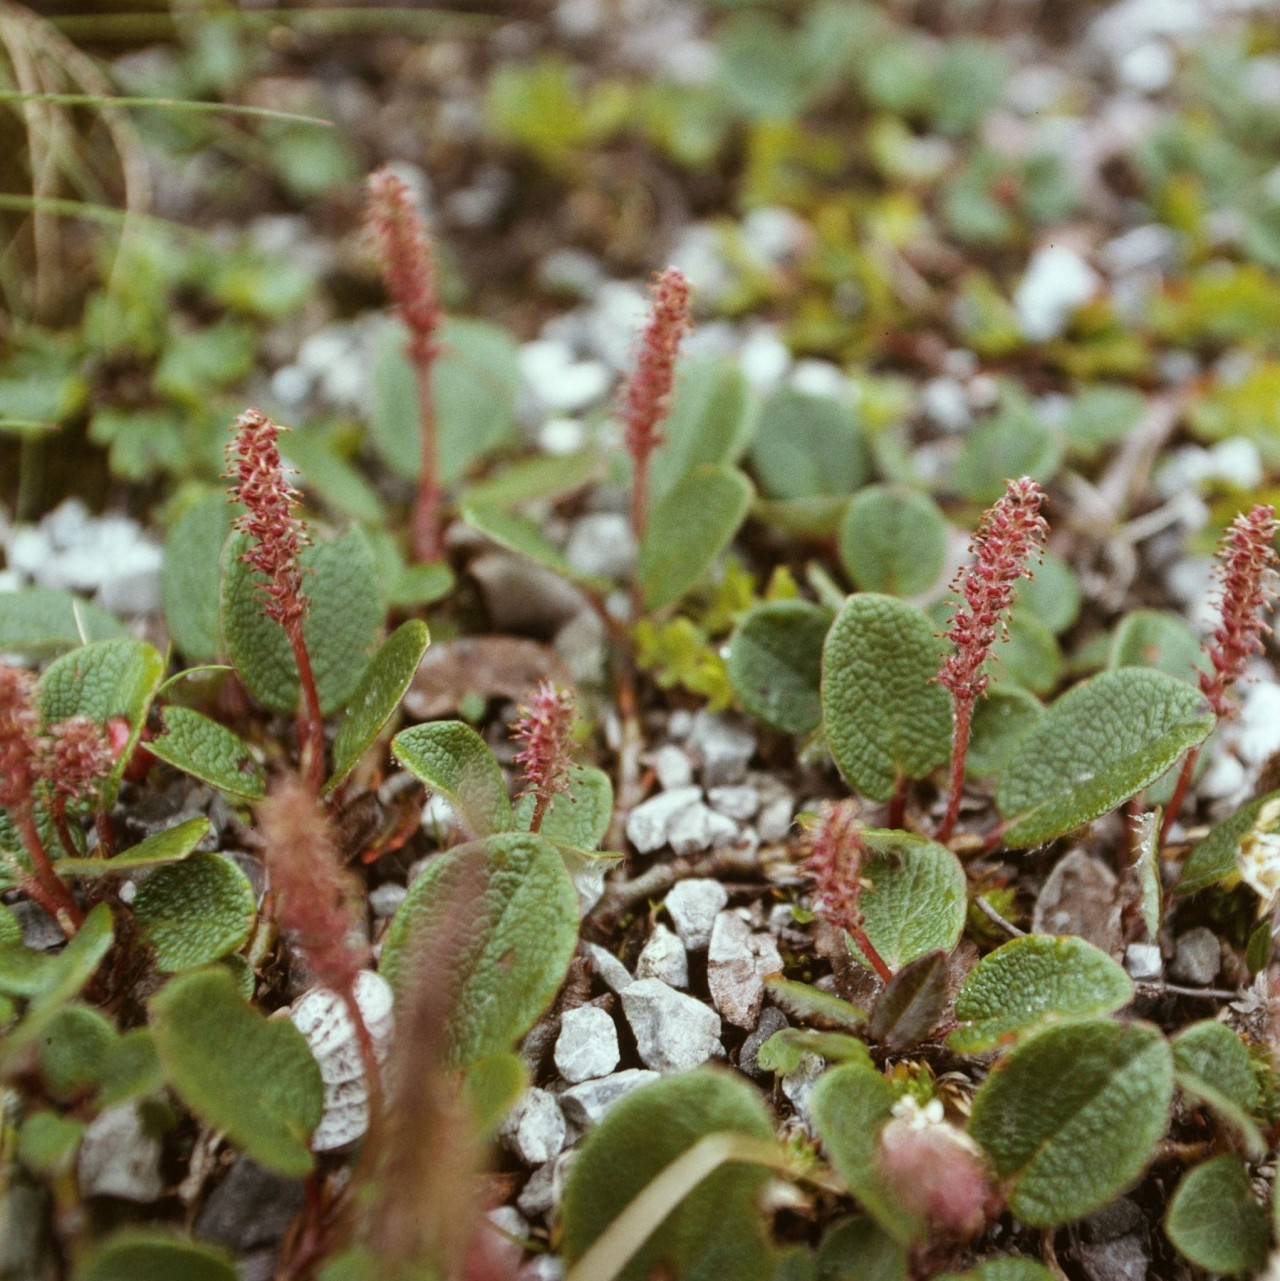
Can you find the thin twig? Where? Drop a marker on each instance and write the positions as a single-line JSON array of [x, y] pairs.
[[996, 919]]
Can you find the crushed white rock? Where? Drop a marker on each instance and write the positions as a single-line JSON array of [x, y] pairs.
[[119, 1158], [1057, 281], [535, 1128], [587, 1047], [698, 827], [673, 1032], [587, 1103], [664, 957], [737, 963], [651, 820], [692, 906]]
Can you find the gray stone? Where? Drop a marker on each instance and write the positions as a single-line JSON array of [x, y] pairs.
[[1080, 896], [798, 1085], [611, 971], [673, 767], [384, 900], [1127, 1258], [534, 1130], [1143, 961], [771, 1020], [587, 1046], [251, 1207], [664, 957], [585, 1104], [506, 1218], [774, 820], [673, 1032], [1197, 957], [648, 823], [724, 745], [538, 1195], [39, 930], [602, 544], [699, 828], [524, 597], [737, 963], [737, 802], [119, 1158], [692, 906]]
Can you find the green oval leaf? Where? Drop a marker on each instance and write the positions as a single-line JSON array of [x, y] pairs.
[[507, 960], [915, 897], [1215, 1222], [76, 964], [210, 752], [255, 1078], [1051, 594], [1097, 745], [885, 715], [541, 478], [344, 616], [1153, 638], [1214, 859], [1008, 1269], [804, 1001], [1072, 1116], [717, 1229], [775, 664], [782, 1052], [709, 422], [474, 386], [522, 536], [1029, 656], [452, 759], [194, 911], [377, 696], [807, 446], [1014, 443], [150, 1254], [40, 621], [1002, 718], [74, 1047], [104, 680], [1212, 1064], [893, 540], [688, 529], [850, 1106], [170, 846], [189, 576], [1031, 981]]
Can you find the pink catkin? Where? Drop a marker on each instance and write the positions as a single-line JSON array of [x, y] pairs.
[[542, 729], [277, 537], [1246, 570], [646, 397], [80, 756], [312, 894], [409, 273], [22, 750], [270, 517], [1010, 535]]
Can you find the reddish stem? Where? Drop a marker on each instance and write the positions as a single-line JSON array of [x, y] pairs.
[[310, 720], [539, 811], [1179, 793], [63, 828], [959, 751], [865, 947], [65, 910], [106, 837]]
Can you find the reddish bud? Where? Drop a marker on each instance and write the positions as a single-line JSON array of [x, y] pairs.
[[933, 1169], [833, 848], [408, 266], [20, 741], [543, 729], [80, 755]]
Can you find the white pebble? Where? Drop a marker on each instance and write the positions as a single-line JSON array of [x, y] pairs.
[[664, 957], [587, 1046], [692, 906]]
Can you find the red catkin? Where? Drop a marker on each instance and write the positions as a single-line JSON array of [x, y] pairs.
[[833, 858], [277, 537], [646, 397], [1010, 535], [409, 274], [22, 750], [1246, 572], [542, 729]]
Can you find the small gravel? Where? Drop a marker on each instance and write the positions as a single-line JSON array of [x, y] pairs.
[[587, 1047], [610, 971], [535, 1129], [692, 906], [1197, 957], [673, 1032], [585, 1104], [664, 957], [649, 823], [737, 963]]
